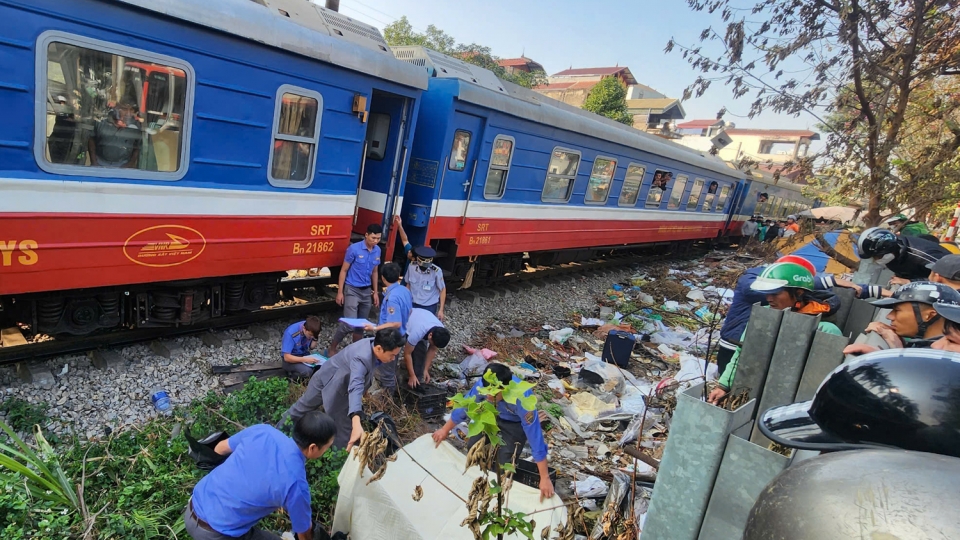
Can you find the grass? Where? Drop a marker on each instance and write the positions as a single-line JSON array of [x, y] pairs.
[[135, 484]]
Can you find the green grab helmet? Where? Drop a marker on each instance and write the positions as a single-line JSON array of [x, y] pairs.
[[779, 276]]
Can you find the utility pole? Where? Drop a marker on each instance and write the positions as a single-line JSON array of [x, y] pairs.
[[333, 5]]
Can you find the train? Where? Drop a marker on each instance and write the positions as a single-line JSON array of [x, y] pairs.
[[165, 162]]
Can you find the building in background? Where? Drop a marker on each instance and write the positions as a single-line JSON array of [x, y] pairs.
[[514, 65]]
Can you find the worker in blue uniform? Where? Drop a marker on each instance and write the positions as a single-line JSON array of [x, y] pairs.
[[394, 313], [517, 425], [265, 470], [426, 335], [357, 284], [425, 281], [298, 339]]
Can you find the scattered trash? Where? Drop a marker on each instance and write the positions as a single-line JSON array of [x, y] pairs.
[[589, 486], [561, 336], [161, 401]]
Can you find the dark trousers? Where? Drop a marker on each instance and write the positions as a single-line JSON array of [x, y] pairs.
[[419, 362], [432, 308], [199, 532], [514, 438], [298, 370]]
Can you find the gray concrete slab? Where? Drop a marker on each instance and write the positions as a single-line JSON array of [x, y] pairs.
[[106, 358], [36, 373]]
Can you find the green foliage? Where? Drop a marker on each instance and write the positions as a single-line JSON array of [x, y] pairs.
[[401, 33], [40, 475], [140, 480], [554, 410], [21, 415], [609, 98], [507, 523]]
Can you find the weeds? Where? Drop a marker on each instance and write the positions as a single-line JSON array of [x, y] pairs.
[[21, 415], [136, 484]]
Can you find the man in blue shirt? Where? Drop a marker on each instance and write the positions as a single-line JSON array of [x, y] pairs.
[[517, 427], [356, 286], [264, 471], [425, 281], [339, 385], [298, 339], [394, 313], [425, 336]]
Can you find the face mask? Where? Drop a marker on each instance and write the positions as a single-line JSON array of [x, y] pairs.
[[888, 258], [424, 265]]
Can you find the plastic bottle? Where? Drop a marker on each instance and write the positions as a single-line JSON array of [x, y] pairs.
[[161, 401]]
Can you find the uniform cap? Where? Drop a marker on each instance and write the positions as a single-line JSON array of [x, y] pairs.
[[425, 252], [923, 292]]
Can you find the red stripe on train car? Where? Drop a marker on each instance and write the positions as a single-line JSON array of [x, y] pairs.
[[47, 252]]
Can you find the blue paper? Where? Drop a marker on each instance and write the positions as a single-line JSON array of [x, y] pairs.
[[355, 323], [321, 360]]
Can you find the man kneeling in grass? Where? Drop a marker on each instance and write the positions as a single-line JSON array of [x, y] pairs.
[[265, 470]]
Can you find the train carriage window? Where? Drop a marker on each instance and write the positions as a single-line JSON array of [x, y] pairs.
[[296, 130], [561, 174], [460, 149], [661, 179], [710, 198], [378, 133], [722, 201], [676, 193], [112, 111], [501, 158], [694, 199], [598, 188], [630, 190]]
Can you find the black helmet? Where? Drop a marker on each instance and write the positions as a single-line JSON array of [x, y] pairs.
[[948, 311], [861, 494], [904, 398], [922, 292], [875, 242]]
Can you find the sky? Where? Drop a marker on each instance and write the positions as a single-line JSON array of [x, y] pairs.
[[597, 33]]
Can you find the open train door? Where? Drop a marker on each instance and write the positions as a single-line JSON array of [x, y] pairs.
[[384, 160]]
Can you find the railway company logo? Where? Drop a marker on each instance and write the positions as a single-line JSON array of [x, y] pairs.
[[164, 245]]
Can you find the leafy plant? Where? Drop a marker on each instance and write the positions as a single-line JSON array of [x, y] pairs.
[[39, 474], [22, 415]]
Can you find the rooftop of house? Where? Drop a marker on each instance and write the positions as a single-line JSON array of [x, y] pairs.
[[794, 133], [623, 72]]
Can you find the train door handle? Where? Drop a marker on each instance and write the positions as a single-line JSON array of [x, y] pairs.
[[472, 175]]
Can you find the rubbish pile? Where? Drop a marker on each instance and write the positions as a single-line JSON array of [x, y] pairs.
[[606, 381]]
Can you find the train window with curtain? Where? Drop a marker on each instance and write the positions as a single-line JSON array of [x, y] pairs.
[[378, 133], [109, 110], [601, 177], [296, 131], [695, 192], [500, 160], [460, 149], [561, 174], [722, 200], [676, 193], [630, 190]]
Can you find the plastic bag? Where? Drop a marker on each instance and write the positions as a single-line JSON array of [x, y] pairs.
[[678, 338], [599, 374], [203, 451], [635, 427], [619, 489], [473, 365], [693, 368], [587, 408], [589, 486], [561, 336]]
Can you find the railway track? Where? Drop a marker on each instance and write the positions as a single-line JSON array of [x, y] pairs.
[[22, 351]]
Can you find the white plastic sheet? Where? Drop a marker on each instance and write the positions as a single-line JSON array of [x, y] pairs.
[[386, 509]]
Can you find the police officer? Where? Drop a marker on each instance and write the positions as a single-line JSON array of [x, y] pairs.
[[517, 427], [425, 337], [298, 339], [394, 313], [906, 256], [357, 283], [264, 470], [339, 385], [425, 281]]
